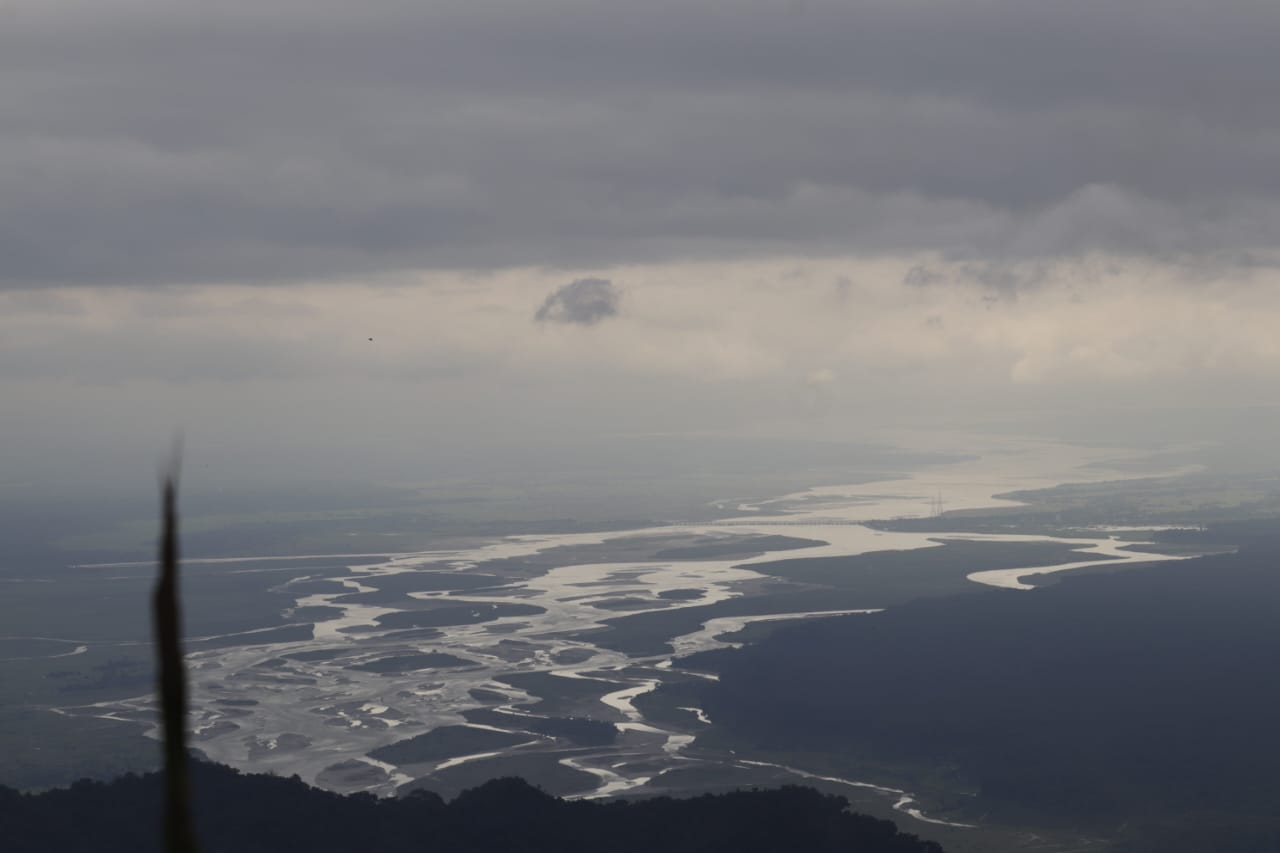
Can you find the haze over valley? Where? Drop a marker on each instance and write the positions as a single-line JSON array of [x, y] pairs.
[[703, 425], [574, 659]]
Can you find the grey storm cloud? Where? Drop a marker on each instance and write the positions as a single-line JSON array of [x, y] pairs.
[[583, 302], [148, 141], [998, 276]]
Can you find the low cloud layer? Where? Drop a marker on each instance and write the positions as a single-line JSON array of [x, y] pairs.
[[159, 142], [272, 377], [751, 327], [584, 302]]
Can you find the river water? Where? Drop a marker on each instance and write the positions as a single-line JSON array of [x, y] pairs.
[[306, 707]]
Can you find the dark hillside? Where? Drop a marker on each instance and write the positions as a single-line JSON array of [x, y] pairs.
[[238, 813]]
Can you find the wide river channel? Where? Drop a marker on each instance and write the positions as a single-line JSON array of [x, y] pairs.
[[377, 669]]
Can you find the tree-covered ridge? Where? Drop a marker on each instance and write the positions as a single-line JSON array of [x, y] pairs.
[[242, 813]]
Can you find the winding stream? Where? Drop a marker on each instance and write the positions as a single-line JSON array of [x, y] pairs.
[[306, 706]]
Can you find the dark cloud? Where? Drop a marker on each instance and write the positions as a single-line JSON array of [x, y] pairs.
[[158, 141], [584, 302], [1000, 277], [922, 275]]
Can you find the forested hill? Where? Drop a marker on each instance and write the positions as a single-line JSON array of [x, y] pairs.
[[239, 813]]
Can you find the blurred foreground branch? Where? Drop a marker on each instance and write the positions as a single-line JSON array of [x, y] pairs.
[[167, 621]]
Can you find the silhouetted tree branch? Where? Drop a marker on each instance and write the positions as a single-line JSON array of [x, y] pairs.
[[167, 619]]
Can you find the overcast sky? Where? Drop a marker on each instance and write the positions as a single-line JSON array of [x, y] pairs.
[[587, 218]]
